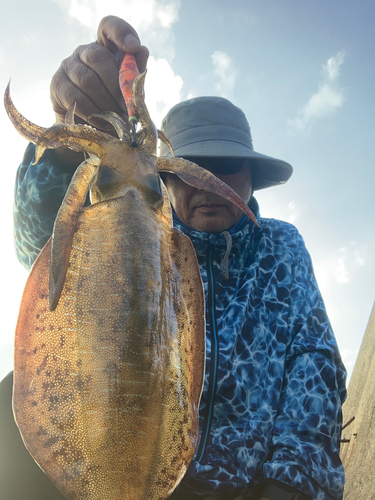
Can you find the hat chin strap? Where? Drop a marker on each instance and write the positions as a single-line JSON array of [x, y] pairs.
[[225, 260]]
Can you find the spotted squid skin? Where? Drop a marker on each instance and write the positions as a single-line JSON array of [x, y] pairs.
[[107, 402]]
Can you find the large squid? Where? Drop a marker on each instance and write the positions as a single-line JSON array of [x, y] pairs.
[[110, 340]]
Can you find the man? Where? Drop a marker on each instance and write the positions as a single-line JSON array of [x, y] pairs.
[[270, 416]]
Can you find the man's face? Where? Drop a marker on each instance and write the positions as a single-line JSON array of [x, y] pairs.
[[205, 211]]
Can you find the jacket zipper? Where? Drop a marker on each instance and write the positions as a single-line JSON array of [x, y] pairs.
[[214, 358]]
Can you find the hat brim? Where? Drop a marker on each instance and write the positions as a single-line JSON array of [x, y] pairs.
[[266, 171]]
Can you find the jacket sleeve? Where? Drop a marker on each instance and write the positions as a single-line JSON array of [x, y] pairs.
[[306, 437], [39, 191]]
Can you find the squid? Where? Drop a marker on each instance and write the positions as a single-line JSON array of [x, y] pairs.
[[110, 341]]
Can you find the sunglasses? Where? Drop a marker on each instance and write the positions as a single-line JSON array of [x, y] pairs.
[[220, 166]]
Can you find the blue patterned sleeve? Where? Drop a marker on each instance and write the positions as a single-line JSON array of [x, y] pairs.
[[306, 438], [39, 191]]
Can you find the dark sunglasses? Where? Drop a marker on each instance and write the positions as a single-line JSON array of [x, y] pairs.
[[220, 166]]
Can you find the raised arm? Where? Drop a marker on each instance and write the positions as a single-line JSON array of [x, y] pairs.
[[89, 78]]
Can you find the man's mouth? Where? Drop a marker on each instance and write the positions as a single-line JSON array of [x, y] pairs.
[[209, 207]]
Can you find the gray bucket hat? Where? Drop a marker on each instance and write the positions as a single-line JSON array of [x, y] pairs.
[[213, 127]]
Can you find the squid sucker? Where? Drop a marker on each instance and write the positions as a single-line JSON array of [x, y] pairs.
[[110, 340]]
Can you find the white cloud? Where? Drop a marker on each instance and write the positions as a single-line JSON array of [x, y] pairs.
[[80, 10], [279, 209], [358, 260], [332, 67], [340, 272], [341, 267], [348, 258], [162, 89], [294, 212], [152, 19], [349, 358], [38, 109], [328, 99], [135, 12], [346, 355], [224, 70]]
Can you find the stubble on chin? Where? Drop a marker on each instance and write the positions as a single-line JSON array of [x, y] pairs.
[[213, 222]]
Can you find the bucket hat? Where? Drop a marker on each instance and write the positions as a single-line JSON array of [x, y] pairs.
[[213, 127]]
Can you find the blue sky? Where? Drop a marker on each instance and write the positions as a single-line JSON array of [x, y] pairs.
[[301, 70]]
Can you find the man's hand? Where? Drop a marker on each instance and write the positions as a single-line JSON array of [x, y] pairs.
[[90, 78]]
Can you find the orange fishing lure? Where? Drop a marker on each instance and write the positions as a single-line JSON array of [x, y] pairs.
[[128, 73]]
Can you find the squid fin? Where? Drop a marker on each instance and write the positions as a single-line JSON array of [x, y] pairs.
[[65, 227], [185, 259], [203, 179]]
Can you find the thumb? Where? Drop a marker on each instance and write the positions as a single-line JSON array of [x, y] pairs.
[[117, 35]]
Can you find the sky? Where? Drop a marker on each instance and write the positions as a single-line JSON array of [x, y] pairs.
[[302, 71]]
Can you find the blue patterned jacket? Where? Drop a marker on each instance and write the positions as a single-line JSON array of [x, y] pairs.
[[271, 405]]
